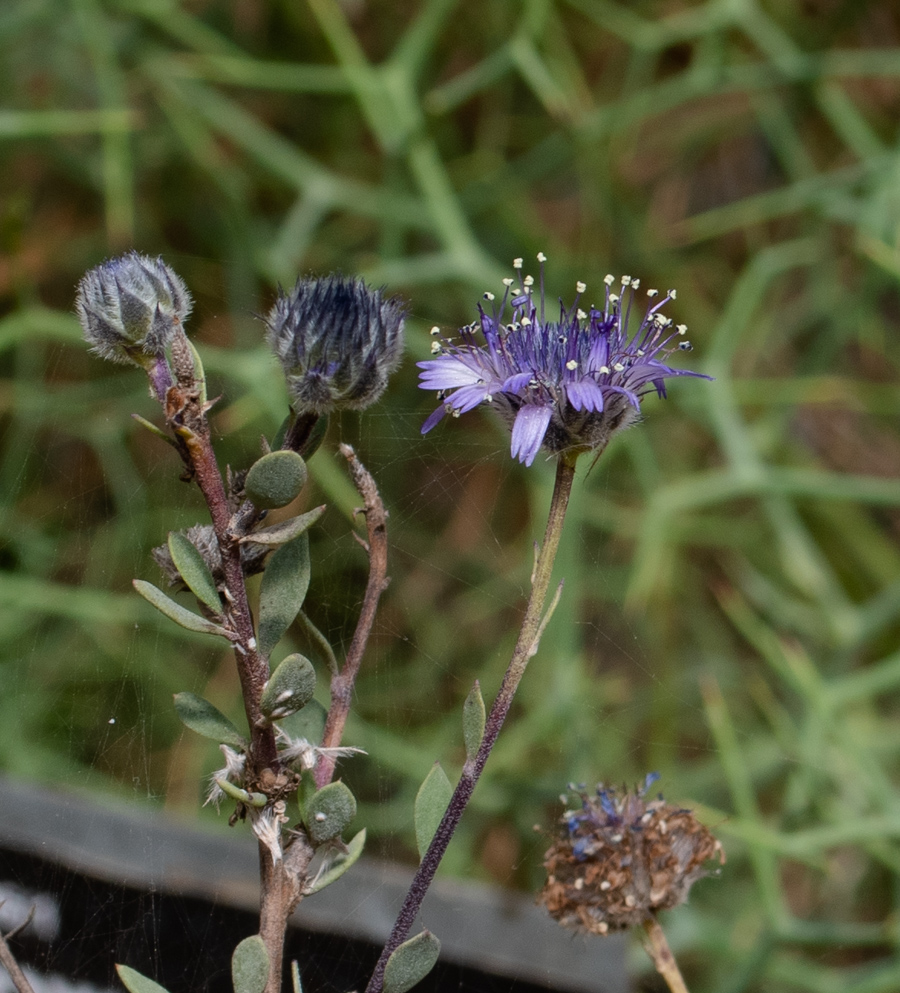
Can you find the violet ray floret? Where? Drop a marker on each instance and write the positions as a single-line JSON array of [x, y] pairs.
[[565, 385]]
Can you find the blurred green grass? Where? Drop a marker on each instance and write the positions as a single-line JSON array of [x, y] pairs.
[[732, 606]]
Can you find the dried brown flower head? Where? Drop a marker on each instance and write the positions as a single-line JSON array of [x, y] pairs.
[[619, 858]]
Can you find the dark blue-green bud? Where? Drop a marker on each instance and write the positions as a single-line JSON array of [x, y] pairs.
[[338, 341], [130, 307]]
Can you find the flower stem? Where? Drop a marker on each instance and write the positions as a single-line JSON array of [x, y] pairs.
[[526, 647], [658, 950]]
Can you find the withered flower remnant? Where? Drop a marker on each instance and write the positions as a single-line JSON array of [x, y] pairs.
[[619, 858], [338, 341], [564, 385], [129, 308], [203, 538]]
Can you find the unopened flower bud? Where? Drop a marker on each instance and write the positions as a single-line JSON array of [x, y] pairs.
[[620, 858], [337, 340], [129, 308]]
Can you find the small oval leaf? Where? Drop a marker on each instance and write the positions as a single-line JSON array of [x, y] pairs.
[[328, 812], [337, 866], [250, 966], [194, 570], [308, 723], [135, 982], [201, 716], [289, 689], [175, 612], [283, 591], [431, 802], [275, 479], [278, 534], [473, 721], [411, 962]]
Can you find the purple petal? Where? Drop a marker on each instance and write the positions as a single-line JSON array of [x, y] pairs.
[[433, 419], [585, 394], [528, 431], [447, 373], [467, 397], [517, 383]]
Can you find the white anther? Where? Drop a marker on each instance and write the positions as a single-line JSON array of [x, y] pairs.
[[613, 298], [507, 281], [580, 287], [435, 330], [672, 294], [604, 369], [618, 367], [488, 295], [606, 885], [436, 348], [652, 293], [541, 257], [571, 365], [528, 280], [626, 280], [609, 279], [526, 322], [681, 328], [517, 263], [580, 314]]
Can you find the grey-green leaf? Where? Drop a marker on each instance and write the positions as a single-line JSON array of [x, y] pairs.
[[473, 721], [283, 591], [250, 966], [275, 479], [137, 983], [201, 716], [339, 864], [194, 570], [431, 802], [328, 812], [307, 723], [278, 534], [411, 962], [290, 688], [175, 612]]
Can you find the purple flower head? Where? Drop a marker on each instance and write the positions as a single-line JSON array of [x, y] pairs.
[[566, 385]]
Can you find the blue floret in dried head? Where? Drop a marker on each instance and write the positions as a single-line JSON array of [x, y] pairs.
[[619, 858]]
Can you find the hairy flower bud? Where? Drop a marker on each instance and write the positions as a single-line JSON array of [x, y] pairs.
[[620, 858], [337, 340], [129, 308]]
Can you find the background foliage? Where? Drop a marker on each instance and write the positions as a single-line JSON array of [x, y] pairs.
[[732, 604]]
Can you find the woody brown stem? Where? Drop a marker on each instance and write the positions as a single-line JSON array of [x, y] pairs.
[[342, 682]]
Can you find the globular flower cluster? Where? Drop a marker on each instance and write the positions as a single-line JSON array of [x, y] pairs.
[[338, 341], [566, 385], [620, 858]]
